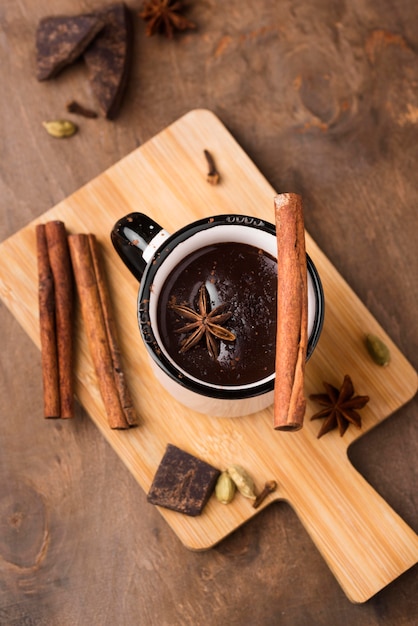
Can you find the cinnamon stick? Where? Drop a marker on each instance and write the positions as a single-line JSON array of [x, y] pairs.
[[94, 321], [46, 299], [292, 313], [112, 336], [59, 259]]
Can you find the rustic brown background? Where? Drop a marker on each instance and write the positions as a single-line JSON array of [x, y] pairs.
[[323, 96]]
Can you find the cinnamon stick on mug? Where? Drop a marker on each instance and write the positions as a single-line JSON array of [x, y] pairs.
[[60, 262], [99, 325], [49, 354], [292, 313]]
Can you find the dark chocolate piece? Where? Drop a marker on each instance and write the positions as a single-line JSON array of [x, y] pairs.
[[108, 59], [61, 40], [182, 482]]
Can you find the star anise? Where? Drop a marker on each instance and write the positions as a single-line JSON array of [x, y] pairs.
[[340, 407], [163, 16], [204, 323]]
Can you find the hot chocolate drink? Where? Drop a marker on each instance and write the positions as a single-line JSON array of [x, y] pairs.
[[217, 314]]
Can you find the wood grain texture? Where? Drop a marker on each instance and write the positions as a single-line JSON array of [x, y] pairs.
[[322, 96], [364, 542]]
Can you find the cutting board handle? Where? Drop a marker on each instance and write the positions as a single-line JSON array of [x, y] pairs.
[[364, 541], [134, 239]]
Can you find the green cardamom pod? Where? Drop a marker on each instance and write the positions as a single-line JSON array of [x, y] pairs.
[[378, 350], [225, 488], [243, 481], [60, 128]]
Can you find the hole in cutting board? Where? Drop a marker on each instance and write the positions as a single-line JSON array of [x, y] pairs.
[[385, 457]]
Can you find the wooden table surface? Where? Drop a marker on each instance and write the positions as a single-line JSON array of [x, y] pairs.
[[323, 98]]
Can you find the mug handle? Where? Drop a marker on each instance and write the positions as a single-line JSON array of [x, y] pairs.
[[135, 238]]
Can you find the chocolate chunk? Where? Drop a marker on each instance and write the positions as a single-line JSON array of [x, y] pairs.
[[61, 40], [108, 59], [182, 482]]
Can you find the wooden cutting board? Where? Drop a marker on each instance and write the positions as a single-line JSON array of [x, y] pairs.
[[365, 543]]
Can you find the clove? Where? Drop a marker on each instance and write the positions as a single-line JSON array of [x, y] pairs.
[[79, 109], [213, 174], [269, 487]]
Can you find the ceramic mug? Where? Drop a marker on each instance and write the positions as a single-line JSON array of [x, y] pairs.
[[152, 254]]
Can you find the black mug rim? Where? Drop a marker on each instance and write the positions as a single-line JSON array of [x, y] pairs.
[[153, 347]]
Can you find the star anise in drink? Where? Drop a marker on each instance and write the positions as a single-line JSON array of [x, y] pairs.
[[340, 407], [164, 16], [204, 323]]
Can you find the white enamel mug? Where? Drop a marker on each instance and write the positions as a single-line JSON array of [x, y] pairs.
[[151, 254]]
